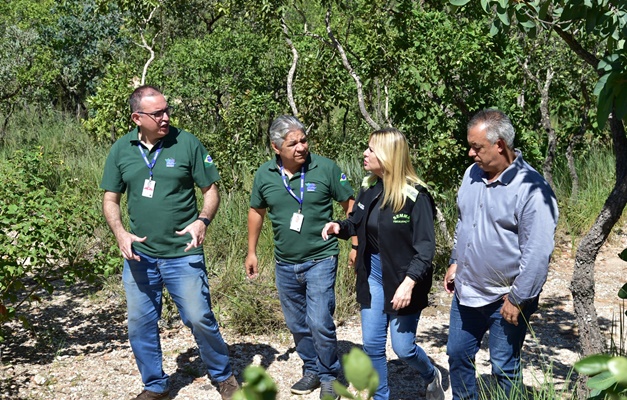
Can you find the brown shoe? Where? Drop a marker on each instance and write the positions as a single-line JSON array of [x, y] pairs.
[[148, 395], [228, 387]]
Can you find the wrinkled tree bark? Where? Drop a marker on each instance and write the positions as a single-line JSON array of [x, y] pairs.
[[582, 284]]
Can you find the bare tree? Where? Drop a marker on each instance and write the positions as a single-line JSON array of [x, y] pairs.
[[545, 119], [144, 44], [360, 94], [290, 75]]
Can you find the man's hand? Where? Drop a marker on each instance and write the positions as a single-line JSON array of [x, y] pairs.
[[402, 296], [125, 243], [449, 279], [509, 311], [197, 230], [250, 265], [331, 228]]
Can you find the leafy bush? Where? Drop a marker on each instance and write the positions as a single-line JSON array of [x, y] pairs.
[[49, 231]]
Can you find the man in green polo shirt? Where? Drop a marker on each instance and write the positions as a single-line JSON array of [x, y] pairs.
[[157, 166], [297, 189]]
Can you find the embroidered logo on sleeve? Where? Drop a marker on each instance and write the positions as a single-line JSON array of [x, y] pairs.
[[343, 178], [208, 160]]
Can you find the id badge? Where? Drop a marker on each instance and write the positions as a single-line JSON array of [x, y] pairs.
[[297, 221], [149, 188]]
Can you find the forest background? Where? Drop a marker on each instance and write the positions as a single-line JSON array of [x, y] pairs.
[[558, 68]]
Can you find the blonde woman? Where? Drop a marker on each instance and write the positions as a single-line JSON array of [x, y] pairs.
[[393, 221]]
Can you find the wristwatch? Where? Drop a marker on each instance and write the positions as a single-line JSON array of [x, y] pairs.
[[204, 220]]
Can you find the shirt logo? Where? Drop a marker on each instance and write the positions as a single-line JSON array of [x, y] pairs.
[[208, 160], [311, 187], [361, 206], [400, 219], [343, 178], [170, 162]]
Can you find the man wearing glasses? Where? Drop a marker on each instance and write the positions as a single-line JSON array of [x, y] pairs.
[[157, 165]]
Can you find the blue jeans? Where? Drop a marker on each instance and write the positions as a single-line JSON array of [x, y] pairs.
[[374, 327], [467, 327], [307, 294], [186, 281]]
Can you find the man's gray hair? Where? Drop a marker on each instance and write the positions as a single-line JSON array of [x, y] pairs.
[[497, 125], [282, 126]]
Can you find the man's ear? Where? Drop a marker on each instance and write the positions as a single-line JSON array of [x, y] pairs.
[[136, 118], [276, 149], [502, 147]]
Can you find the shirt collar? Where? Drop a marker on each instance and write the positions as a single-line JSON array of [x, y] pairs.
[[509, 173]]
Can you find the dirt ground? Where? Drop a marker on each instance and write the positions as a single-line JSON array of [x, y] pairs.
[[91, 357]]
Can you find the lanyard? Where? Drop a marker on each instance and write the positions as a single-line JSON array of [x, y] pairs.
[[150, 165], [302, 187]]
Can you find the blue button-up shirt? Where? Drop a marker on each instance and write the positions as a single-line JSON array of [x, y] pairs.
[[504, 235]]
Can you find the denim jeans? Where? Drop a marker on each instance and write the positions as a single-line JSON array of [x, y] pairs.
[[467, 327], [307, 294], [186, 281], [374, 327]]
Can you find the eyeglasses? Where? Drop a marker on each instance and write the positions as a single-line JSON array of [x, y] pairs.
[[158, 115]]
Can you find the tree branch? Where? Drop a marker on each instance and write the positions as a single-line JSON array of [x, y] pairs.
[[292, 71], [351, 71]]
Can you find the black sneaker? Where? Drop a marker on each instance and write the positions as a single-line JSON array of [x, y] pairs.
[[327, 392], [307, 384]]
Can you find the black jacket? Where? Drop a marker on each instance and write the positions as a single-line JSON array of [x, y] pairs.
[[406, 245]]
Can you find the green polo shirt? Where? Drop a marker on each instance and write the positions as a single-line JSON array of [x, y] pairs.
[[324, 182], [182, 162]]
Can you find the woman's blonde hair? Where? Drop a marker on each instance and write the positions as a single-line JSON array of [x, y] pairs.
[[391, 149]]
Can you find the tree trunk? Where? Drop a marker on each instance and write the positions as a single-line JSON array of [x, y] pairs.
[[547, 167], [582, 284]]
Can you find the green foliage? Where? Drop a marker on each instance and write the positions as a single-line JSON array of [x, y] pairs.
[[258, 385], [109, 112], [604, 19], [608, 375], [358, 370], [49, 231], [83, 42], [596, 179], [360, 373]]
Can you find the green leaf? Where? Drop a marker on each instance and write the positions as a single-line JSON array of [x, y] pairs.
[[342, 390], [618, 367], [622, 292], [459, 3], [503, 15], [592, 365], [494, 30], [544, 8], [602, 381], [358, 368], [485, 4], [604, 101]]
